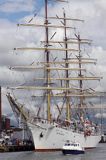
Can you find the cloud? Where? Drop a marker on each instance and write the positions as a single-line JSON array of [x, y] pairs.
[[93, 12], [11, 6], [99, 115]]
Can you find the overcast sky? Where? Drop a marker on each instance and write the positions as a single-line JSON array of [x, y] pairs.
[[16, 11]]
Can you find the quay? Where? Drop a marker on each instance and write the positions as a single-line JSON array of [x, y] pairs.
[[16, 148]]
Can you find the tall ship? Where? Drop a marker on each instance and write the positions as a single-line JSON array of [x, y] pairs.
[[60, 87]]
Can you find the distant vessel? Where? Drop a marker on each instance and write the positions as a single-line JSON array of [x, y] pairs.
[[59, 88], [72, 148]]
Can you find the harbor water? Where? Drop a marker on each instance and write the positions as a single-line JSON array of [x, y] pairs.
[[98, 153]]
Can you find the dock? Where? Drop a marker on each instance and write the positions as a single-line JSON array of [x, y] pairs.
[[16, 148]]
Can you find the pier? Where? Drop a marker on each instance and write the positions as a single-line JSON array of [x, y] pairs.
[[16, 148]]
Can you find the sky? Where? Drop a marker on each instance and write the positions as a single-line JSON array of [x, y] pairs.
[[13, 12]]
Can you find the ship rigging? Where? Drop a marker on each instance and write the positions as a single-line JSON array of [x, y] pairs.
[[61, 125]]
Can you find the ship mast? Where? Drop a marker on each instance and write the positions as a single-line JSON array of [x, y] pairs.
[[47, 60], [67, 71], [47, 65], [80, 75]]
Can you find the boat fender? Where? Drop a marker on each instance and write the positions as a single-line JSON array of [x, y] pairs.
[[41, 135]]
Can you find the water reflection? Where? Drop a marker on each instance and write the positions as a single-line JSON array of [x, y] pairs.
[[95, 154]]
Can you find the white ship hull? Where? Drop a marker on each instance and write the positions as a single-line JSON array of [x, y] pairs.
[[49, 137]]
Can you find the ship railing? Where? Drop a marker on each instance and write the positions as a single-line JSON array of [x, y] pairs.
[[61, 124], [53, 122]]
